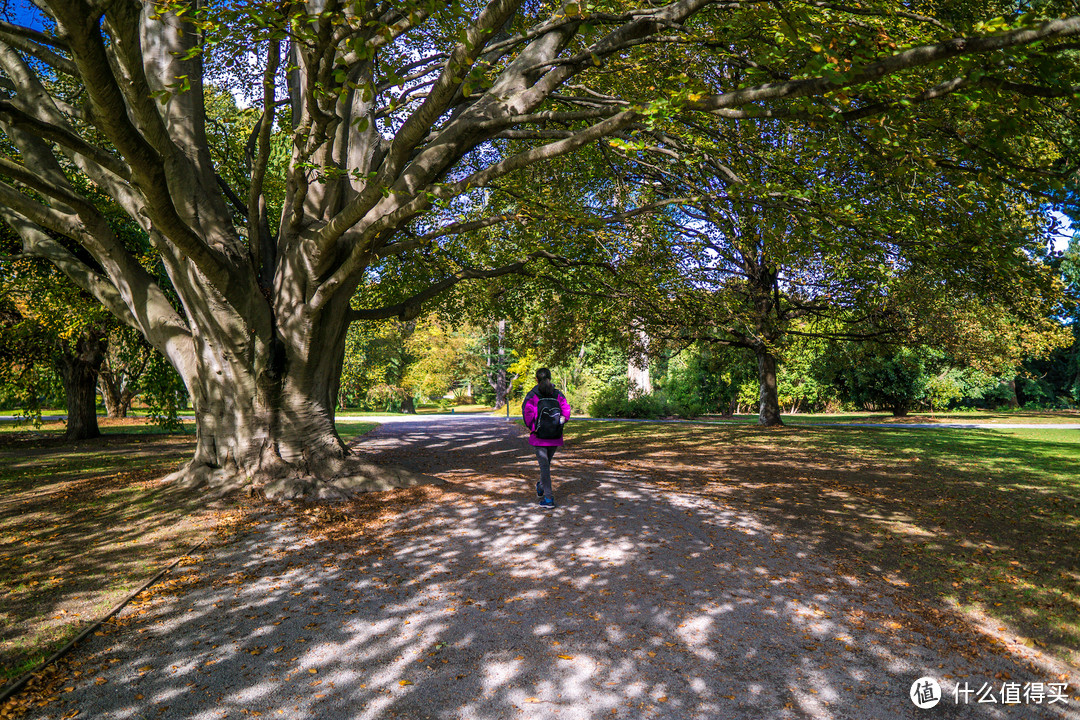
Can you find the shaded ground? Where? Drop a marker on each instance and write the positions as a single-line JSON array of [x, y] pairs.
[[636, 599], [81, 526], [987, 521]]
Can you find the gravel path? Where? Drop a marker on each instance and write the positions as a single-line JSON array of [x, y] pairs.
[[624, 602]]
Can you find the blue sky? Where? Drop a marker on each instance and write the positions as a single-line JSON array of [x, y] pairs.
[[22, 12], [1061, 240]]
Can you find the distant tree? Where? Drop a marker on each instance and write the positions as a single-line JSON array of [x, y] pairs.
[[1054, 378], [49, 320], [443, 361], [126, 359], [28, 380]]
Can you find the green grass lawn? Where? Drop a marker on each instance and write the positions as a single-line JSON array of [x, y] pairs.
[[422, 409], [984, 521], [1026, 417]]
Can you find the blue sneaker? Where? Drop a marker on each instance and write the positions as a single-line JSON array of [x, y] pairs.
[[539, 489], [547, 503]]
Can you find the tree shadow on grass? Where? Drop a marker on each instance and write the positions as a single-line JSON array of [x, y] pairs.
[[979, 518], [466, 601], [81, 528]]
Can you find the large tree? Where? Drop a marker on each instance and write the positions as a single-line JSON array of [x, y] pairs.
[[399, 111], [798, 230], [881, 216]]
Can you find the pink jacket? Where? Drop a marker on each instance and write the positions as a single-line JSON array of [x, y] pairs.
[[529, 413]]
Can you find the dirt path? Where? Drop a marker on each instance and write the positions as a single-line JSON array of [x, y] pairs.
[[468, 601]]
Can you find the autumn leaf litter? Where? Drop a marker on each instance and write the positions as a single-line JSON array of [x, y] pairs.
[[468, 601]]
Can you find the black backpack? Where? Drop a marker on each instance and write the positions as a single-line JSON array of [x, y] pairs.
[[548, 414]]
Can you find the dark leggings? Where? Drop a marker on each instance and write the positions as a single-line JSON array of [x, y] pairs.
[[543, 454]]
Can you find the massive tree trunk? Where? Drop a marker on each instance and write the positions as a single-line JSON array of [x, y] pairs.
[[266, 419], [769, 402], [78, 367]]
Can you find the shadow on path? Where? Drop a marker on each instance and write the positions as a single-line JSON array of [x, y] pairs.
[[467, 601]]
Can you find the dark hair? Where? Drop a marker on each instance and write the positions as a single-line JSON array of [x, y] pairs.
[[544, 386]]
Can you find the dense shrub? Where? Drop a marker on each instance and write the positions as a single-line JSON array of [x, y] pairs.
[[614, 400], [875, 378]]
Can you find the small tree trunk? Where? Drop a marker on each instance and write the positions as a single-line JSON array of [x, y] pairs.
[[769, 412], [500, 388], [116, 393], [408, 405], [498, 380], [1011, 399], [78, 368], [126, 398], [110, 394], [637, 365]]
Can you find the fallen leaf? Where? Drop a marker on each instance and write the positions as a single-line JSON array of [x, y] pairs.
[[565, 657], [403, 683]]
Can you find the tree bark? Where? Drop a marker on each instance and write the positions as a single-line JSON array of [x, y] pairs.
[[769, 410], [110, 395], [116, 393], [266, 420], [78, 367], [500, 379]]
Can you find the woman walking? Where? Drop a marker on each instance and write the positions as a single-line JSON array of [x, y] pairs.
[[545, 411]]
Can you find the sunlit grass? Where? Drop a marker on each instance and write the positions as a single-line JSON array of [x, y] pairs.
[[996, 417], [350, 430]]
